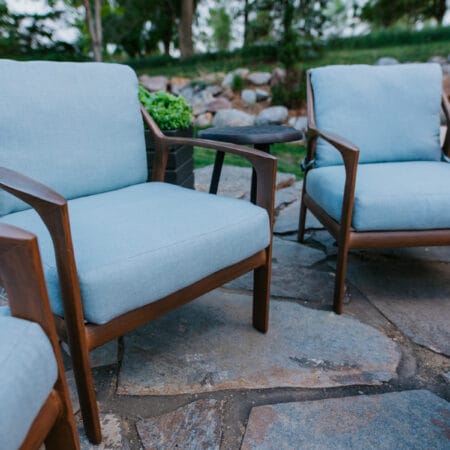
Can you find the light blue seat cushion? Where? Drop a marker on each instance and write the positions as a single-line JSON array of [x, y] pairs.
[[389, 196], [28, 372], [80, 119], [143, 242], [391, 113]]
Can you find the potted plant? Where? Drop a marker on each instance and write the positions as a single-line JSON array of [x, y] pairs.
[[174, 117]]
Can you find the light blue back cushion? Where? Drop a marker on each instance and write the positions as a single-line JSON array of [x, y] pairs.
[[28, 372], [75, 127], [391, 113]]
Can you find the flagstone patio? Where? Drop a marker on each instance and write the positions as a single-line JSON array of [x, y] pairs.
[[375, 377]]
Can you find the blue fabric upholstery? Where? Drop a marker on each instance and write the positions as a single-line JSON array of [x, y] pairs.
[[391, 113], [143, 242], [80, 119], [28, 371], [389, 196]]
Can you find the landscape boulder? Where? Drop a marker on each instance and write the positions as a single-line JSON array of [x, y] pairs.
[[386, 61], [154, 84], [275, 115], [232, 118], [218, 103], [249, 96], [259, 78], [261, 95]]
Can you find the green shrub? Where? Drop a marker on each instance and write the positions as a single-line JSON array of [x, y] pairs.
[[291, 93], [237, 84], [390, 37], [168, 111]]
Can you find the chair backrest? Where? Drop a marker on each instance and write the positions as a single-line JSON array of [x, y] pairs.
[[391, 113], [76, 127]]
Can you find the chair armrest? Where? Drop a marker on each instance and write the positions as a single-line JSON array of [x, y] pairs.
[[53, 210], [30, 191], [350, 156], [446, 109], [265, 165]]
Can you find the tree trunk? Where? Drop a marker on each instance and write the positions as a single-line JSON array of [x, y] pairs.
[[440, 10], [246, 11], [185, 28], [94, 25]]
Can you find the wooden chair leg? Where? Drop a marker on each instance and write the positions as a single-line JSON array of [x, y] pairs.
[[341, 270], [62, 436], [301, 223], [86, 392], [261, 295]]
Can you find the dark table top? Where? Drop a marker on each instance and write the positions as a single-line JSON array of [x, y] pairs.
[[257, 134]]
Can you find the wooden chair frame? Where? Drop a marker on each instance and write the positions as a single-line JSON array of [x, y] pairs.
[[82, 337], [22, 277], [346, 237]]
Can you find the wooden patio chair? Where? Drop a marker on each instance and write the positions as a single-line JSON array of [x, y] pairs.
[[385, 183], [118, 252], [34, 401]]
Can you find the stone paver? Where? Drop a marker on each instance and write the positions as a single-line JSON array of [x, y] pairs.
[[288, 195], [291, 275], [105, 355], [235, 181], [197, 425], [414, 295], [210, 345], [402, 420], [112, 433], [287, 220]]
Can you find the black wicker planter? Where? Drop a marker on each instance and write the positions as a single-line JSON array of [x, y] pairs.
[[180, 165]]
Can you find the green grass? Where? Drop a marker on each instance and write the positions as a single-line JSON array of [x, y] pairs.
[[289, 157]]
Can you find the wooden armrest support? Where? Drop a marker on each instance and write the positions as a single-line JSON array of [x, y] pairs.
[[350, 156], [446, 109], [22, 277], [30, 191]]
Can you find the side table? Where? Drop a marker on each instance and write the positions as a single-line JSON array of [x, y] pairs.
[[260, 136]]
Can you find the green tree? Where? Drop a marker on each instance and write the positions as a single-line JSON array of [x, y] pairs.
[[388, 12], [220, 22]]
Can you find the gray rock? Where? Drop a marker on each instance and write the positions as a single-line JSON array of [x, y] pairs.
[[203, 120], [414, 295], [446, 377], [218, 103], [113, 434], [228, 80], [248, 96], [242, 72], [261, 95], [210, 345], [235, 181], [401, 420], [287, 220], [386, 61], [278, 76], [438, 60], [273, 115], [104, 355], [177, 84], [154, 84], [73, 392], [232, 118], [3, 297], [301, 124], [286, 196], [259, 78], [214, 90], [198, 425]]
